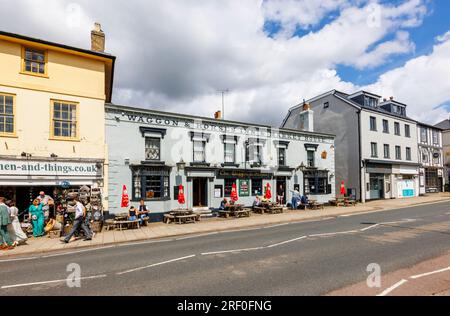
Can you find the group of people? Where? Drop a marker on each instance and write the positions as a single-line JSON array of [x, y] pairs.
[[298, 199], [140, 213], [11, 233]]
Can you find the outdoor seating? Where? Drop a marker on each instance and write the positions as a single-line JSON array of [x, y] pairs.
[[314, 205], [181, 216]]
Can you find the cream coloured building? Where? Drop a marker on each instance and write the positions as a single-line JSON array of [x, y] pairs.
[[52, 115]]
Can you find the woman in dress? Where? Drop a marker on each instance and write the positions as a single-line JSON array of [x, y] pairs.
[[37, 217], [15, 230]]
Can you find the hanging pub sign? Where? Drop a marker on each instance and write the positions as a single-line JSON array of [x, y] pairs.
[[324, 155], [244, 188]]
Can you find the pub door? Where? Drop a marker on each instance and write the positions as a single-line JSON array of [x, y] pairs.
[[200, 192]]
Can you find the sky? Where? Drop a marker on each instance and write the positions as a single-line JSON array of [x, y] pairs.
[[176, 55]]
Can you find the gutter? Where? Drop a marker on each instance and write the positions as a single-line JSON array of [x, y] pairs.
[[361, 184]]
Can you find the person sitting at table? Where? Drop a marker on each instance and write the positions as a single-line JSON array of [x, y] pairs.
[[223, 204], [256, 202], [132, 214], [143, 212], [305, 200]]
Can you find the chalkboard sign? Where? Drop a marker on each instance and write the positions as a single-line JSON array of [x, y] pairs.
[[244, 188]]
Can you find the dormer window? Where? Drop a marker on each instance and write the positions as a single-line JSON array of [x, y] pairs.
[[370, 102]]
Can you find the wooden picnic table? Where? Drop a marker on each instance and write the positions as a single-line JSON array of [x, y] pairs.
[[314, 205], [270, 208], [349, 202], [235, 211], [181, 216]]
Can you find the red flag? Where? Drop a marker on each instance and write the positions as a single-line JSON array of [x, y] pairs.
[[343, 190], [268, 194], [181, 198], [234, 194], [125, 197]]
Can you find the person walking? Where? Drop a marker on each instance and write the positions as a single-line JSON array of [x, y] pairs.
[[36, 214], [15, 230], [79, 223], [5, 220]]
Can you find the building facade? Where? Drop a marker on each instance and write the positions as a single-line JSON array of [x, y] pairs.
[[152, 153], [376, 143], [52, 116], [431, 159], [444, 126]]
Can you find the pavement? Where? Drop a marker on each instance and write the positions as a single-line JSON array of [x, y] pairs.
[[326, 255], [160, 230]]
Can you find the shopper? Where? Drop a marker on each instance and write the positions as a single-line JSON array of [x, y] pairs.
[[15, 230], [5, 220], [47, 201], [79, 222], [36, 214], [295, 198]]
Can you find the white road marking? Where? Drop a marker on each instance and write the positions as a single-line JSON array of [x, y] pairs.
[[197, 236], [389, 290], [230, 251], [145, 242], [332, 234], [50, 282], [75, 252], [155, 264], [370, 227], [429, 273], [18, 259], [279, 225], [287, 241]]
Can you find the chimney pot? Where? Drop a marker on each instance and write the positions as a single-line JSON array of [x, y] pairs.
[[391, 98], [97, 39]]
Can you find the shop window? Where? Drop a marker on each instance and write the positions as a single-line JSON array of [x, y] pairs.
[[282, 156], [64, 120], [34, 61], [229, 186], [151, 184], [152, 148], [257, 187], [7, 118], [316, 183]]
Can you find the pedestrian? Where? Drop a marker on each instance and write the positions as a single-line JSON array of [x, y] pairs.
[[132, 214], [15, 230], [280, 195], [295, 198], [47, 201], [305, 200], [223, 204], [79, 223], [5, 220], [256, 202], [36, 215]]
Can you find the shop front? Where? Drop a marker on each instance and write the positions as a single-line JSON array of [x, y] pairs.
[[21, 180], [406, 181], [433, 180], [378, 181]]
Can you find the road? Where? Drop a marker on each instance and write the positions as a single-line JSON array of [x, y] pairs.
[[307, 258]]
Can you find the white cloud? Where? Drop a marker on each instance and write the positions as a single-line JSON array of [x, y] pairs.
[[175, 54]]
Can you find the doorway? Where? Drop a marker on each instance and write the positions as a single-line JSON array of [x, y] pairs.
[[200, 192], [376, 186], [281, 182]]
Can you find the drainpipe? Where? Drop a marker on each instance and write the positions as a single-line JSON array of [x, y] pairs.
[[362, 181]]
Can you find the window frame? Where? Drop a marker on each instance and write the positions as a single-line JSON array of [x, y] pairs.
[[313, 152], [23, 62], [159, 147], [193, 150], [385, 126], [373, 153], [397, 131], [141, 174], [408, 130], [225, 144], [284, 149], [398, 152], [373, 120], [387, 149], [14, 133], [408, 153], [77, 121], [261, 192]]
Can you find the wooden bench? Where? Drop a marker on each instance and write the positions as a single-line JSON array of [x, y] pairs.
[[184, 219], [259, 209], [350, 203], [316, 206], [168, 218], [128, 224], [242, 213]]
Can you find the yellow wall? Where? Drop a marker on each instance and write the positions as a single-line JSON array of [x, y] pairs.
[[71, 78]]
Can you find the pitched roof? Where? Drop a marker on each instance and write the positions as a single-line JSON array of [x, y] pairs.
[[445, 124]]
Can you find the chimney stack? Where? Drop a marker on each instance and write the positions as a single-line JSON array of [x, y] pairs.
[[97, 39]]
